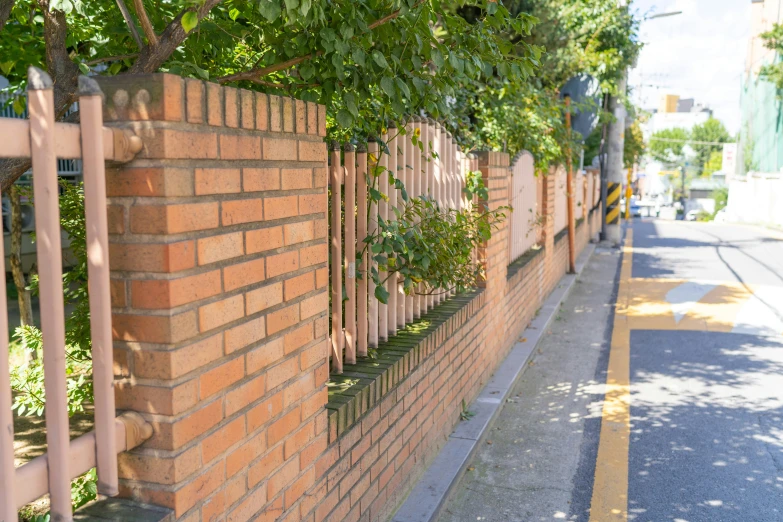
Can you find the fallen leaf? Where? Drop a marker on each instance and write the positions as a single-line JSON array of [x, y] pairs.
[[489, 442], [471, 468]]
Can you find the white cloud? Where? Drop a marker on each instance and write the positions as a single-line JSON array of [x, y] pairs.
[[698, 54]]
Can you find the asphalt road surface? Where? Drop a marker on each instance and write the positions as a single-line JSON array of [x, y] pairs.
[[656, 394]]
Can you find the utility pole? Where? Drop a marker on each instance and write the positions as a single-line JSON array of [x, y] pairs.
[[682, 189], [614, 175]]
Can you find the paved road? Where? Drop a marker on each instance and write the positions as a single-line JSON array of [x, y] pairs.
[[658, 397]]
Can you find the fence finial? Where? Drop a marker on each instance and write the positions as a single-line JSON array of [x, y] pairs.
[[361, 147], [38, 80], [348, 147], [334, 145], [89, 87]]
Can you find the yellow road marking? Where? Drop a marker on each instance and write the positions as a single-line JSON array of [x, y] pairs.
[[610, 485], [717, 311], [641, 304]]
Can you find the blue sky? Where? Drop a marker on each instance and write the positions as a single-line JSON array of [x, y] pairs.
[[699, 54]]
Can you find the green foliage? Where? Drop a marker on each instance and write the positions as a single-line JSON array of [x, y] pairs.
[[712, 131], [667, 145], [424, 244], [714, 164], [721, 197], [589, 36], [465, 413], [511, 118], [27, 381], [634, 147], [84, 489], [369, 61], [773, 40]]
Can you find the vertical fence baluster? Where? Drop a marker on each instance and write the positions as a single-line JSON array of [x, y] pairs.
[[418, 183], [7, 469], [441, 182], [94, 171], [402, 174], [336, 171], [452, 172], [453, 180], [350, 254], [410, 187], [361, 233], [426, 190], [50, 276], [383, 213], [391, 281], [431, 185], [372, 217]]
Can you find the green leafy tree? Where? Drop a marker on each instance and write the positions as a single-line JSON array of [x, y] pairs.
[[721, 197], [714, 164], [369, 61], [668, 146], [590, 36], [773, 40], [711, 131], [634, 147]]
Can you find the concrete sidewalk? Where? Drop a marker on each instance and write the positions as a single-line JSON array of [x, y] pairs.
[[536, 460]]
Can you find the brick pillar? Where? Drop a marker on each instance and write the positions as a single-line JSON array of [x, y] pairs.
[[494, 167], [219, 286]]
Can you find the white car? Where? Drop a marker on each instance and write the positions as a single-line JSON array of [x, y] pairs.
[[691, 215]]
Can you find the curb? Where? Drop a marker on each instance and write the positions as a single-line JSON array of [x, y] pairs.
[[430, 493]]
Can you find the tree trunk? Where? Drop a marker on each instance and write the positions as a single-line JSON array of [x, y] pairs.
[[5, 11], [23, 293]]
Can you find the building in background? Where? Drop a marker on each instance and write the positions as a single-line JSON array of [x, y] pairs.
[[761, 131], [674, 112]]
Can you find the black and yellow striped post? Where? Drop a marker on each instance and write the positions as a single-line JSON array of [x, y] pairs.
[[613, 203]]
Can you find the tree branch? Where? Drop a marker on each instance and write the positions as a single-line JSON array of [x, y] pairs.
[[5, 11], [151, 58], [258, 72], [129, 22], [111, 59], [65, 72], [146, 25]]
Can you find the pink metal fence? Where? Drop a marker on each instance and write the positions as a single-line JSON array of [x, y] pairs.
[[579, 195], [436, 168], [523, 221], [44, 141], [561, 199]]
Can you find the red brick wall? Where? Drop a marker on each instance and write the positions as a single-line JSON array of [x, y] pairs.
[[219, 278], [218, 258]]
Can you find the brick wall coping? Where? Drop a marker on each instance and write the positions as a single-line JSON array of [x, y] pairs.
[[523, 260], [560, 235], [363, 385], [121, 509]]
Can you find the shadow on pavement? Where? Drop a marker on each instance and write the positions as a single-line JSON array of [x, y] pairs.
[[707, 427]]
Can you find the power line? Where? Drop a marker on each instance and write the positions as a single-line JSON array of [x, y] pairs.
[[690, 142]]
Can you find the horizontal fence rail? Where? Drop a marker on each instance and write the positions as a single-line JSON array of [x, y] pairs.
[[427, 161], [44, 141]]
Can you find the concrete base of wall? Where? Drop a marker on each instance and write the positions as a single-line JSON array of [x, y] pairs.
[[429, 494]]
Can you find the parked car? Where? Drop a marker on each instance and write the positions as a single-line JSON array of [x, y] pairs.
[[692, 215]]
